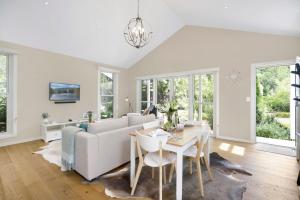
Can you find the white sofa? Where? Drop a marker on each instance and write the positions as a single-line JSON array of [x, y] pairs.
[[106, 145]]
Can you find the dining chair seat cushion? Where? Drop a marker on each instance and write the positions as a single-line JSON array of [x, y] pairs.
[[192, 152], [153, 159]]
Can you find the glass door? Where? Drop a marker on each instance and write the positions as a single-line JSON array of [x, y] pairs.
[[181, 95], [147, 94], [163, 91], [204, 98]]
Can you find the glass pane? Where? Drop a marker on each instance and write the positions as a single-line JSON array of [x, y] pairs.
[[207, 82], [107, 103], [151, 95], [147, 90], [3, 94], [181, 95], [197, 97], [144, 90], [3, 86], [203, 98], [208, 114], [106, 83], [163, 91]]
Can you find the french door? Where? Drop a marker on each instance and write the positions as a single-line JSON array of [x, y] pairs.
[[204, 95], [195, 94]]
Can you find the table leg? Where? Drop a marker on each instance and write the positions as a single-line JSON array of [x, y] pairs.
[[179, 176], [207, 152], [132, 160]]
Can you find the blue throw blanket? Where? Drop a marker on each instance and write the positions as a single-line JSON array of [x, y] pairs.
[[68, 147]]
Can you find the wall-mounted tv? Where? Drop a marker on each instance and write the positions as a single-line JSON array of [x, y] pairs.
[[64, 93]]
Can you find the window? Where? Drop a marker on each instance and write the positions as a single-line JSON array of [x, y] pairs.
[[3, 92], [7, 95], [204, 97], [194, 93], [163, 91], [181, 95], [146, 94], [107, 97]]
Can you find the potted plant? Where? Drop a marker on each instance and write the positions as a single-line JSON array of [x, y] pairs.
[[45, 117], [170, 110]]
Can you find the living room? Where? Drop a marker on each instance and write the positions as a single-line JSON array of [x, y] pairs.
[[197, 55]]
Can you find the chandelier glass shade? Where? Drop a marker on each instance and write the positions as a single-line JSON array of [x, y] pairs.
[[137, 33]]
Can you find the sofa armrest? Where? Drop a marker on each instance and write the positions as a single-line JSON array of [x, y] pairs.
[[86, 158]]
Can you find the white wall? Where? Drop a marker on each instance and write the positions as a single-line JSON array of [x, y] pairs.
[[194, 48]]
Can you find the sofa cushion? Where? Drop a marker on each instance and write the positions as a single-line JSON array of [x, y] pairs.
[[134, 114], [108, 125], [136, 120]]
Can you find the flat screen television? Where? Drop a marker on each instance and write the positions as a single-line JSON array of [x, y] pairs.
[[63, 92]]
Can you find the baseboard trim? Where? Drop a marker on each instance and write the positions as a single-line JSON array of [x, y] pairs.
[[233, 139], [19, 141]]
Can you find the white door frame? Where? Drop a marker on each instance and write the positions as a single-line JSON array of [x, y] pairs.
[[253, 91]]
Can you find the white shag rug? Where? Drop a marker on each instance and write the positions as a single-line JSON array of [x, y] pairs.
[[52, 153]]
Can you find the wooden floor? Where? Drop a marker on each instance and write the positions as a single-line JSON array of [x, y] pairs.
[[24, 175]]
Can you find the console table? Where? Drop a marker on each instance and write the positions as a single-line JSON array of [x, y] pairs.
[[52, 131]]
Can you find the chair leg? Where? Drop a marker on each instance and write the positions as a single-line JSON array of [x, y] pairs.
[[160, 182], [191, 165], [171, 172], [153, 172], [138, 173], [165, 176], [202, 161], [208, 169], [200, 177]]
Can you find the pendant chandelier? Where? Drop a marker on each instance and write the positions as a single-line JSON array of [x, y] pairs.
[[137, 33]]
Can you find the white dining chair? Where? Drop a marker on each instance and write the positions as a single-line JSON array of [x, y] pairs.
[[152, 125], [196, 154], [155, 156]]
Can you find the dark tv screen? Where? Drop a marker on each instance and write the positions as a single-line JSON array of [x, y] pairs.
[[63, 92]]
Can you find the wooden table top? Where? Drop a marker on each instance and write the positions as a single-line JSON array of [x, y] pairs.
[[182, 137]]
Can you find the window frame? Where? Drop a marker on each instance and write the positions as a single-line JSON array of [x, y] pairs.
[[11, 94], [148, 101], [115, 75], [190, 75]]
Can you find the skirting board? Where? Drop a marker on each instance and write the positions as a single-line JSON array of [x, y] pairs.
[[18, 141], [233, 139]]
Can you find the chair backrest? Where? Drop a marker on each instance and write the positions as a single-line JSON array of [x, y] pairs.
[[203, 128], [203, 136], [154, 124], [151, 144]]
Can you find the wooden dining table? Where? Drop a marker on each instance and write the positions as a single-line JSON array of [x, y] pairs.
[[182, 141]]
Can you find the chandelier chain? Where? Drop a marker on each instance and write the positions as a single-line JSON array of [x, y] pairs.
[[138, 11]]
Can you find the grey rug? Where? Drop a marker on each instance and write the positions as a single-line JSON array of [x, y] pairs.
[[276, 149], [224, 186]]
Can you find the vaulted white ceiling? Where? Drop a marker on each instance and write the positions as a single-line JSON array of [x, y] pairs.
[[265, 16], [93, 29], [89, 29]]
